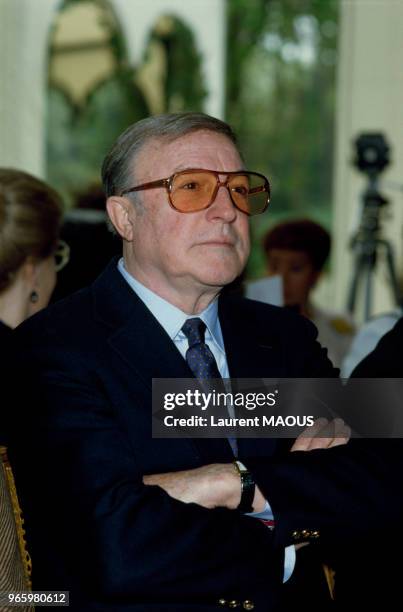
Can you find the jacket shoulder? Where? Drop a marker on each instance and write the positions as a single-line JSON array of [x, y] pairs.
[[278, 319]]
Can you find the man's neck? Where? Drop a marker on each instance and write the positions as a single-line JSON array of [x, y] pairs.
[[191, 300], [192, 304]]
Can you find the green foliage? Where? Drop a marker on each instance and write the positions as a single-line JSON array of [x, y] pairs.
[[78, 139], [245, 23], [184, 87], [280, 98]]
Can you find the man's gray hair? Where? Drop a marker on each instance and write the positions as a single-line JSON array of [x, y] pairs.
[[117, 169]]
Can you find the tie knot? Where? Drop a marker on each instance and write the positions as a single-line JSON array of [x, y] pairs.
[[194, 331]]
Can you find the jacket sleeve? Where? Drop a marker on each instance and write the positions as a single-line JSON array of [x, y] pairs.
[[340, 494]]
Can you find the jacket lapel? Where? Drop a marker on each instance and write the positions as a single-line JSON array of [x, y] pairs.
[[140, 340], [253, 354], [134, 332], [144, 344]]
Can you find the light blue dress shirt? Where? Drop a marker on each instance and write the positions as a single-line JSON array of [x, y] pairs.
[[172, 319]]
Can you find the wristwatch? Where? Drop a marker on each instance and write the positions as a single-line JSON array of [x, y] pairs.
[[247, 488]]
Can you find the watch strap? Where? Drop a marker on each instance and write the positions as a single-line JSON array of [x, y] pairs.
[[247, 488]]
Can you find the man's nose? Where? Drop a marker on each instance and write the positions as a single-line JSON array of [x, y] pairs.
[[223, 207]]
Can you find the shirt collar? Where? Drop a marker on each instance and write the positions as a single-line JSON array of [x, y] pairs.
[[169, 316]]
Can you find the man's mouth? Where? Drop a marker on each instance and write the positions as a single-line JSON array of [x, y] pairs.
[[218, 242]]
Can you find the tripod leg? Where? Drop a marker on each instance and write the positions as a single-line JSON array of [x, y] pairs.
[[368, 293], [392, 272], [352, 294]]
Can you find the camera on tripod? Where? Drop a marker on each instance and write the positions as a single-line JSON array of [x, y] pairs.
[[372, 153], [371, 157]]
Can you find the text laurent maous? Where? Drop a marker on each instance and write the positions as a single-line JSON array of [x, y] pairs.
[[257, 421]]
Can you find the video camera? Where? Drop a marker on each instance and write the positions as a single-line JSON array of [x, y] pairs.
[[371, 157], [371, 153]]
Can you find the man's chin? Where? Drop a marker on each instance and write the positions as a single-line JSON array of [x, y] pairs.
[[220, 278], [218, 271]]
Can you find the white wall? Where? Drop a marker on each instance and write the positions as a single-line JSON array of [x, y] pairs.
[[24, 28], [370, 98]]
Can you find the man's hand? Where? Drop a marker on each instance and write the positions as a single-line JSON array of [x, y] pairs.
[[210, 486], [323, 434]]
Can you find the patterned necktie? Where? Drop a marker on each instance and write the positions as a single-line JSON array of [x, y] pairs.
[[202, 361], [198, 356]]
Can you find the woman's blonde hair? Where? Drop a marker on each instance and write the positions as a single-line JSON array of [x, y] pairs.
[[30, 219]]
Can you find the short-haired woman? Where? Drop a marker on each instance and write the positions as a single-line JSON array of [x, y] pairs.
[[297, 250], [30, 251]]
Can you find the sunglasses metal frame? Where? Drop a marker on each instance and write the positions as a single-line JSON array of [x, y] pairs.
[[168, 182]]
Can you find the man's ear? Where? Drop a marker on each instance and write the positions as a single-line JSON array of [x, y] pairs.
[[122, 214]]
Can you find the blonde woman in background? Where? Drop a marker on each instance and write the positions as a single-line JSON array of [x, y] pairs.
[[30, 251], [30, 255]]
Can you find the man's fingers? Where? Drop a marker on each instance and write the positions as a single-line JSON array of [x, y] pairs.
[[304, 440], [320, 442], [342, 434], [333, 433], [323, 434]]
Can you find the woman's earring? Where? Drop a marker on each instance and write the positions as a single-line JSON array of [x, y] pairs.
[[34, 297]]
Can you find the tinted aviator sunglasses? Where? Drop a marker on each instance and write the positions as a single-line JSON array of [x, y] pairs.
[[196, 189]]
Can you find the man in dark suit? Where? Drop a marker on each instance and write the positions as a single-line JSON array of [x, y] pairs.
[[367, 576], [385, 361], [128, 522]]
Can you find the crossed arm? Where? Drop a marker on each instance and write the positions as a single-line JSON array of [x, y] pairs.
[[218, 484]]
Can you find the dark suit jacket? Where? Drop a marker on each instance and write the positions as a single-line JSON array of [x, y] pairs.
[[94, 528], [386, 360], [368, 576]]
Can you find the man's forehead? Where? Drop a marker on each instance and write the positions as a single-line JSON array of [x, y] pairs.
[[185, 151]]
